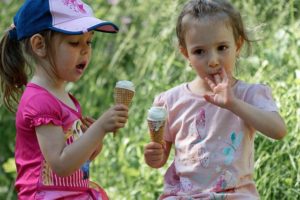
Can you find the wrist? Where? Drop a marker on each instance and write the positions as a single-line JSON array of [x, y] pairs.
[[233, 104], [101, 129]]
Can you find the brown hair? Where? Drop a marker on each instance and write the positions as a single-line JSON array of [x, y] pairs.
[[212, 8], [15, 66]]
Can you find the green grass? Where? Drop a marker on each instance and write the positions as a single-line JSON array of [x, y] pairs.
[[145, 52]]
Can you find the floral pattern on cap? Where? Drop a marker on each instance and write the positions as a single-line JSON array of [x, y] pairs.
[[75, 5]]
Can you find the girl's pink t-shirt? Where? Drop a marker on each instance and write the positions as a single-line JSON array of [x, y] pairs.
[[34, 176], [214, 148]]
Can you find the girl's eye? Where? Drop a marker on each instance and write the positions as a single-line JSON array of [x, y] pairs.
[[222, 47], [89, 43], [199, 51], [74, 43]]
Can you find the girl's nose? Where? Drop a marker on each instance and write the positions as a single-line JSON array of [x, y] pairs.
[[85, 49], [213, 60]]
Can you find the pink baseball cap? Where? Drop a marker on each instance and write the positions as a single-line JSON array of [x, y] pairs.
[[71, 17]]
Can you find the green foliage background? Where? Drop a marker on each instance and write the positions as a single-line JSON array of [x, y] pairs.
[[145, 52]]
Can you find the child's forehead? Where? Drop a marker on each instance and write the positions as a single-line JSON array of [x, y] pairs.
[[211, 30], [212, 17], [190, 21]]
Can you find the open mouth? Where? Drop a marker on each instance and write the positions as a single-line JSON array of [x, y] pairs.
[[215, 73], [212, 74], [81, 66], [215, 70]]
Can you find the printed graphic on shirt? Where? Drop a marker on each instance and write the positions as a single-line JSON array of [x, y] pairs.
[[80, 177], [196, 133], [197, 127], [203, 157], [172, 180], [46, 174], [227, 181], [198, 156], [232, 147], [77, 132], [86, 170], [220, 196], [185, 184]]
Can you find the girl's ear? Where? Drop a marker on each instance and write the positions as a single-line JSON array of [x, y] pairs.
[[184, 52], [239, 45], [38, 45]]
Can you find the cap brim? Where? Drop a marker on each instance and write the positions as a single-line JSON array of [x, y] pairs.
[[85, 24]]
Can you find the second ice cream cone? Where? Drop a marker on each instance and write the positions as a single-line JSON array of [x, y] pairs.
[[156, 129], [156, 123]]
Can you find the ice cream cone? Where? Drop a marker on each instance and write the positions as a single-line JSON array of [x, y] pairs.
[[156, 129], [123, 94], [156, 123]]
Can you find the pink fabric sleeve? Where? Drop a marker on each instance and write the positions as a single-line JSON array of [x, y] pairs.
[[42, 109], [160, 100], [260, 96]]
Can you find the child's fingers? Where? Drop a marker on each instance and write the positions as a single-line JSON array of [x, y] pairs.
[[209, 98], [89, 119], [119, 122], [93, 156], [153, 145], [164, 145], [86, 123], [122, 120], [217, 78], [119, 125], [153, 153], [210, 83], [224, 75], [120, 107], [159, 103], [121, 114], [154, 158], [83, 127]]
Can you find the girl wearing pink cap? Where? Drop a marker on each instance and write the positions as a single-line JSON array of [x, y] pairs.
[[212, 120], [54, 142]]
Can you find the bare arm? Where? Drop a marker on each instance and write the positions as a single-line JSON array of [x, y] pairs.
[[157, 155], [86, 123], [268, 123], [65, 159]]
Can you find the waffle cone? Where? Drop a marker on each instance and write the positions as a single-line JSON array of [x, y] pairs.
[[156, 129], [123, 96]]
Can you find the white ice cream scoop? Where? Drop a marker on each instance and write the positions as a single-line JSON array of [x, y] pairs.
[[126, 85], [157, 113]]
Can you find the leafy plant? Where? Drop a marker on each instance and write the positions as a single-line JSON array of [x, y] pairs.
[[145, 52]]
